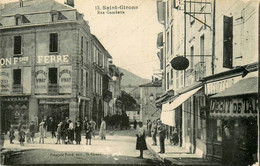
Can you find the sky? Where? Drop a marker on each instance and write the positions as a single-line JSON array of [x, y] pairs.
[[130, 38]]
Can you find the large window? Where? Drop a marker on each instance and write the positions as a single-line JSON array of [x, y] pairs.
[[81, 45], [53, 42], [228, 41], [53, 75], [17, 45], [17, 76]]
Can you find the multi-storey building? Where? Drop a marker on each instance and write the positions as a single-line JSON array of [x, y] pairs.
[[51, 64], [220, 41], [148, 93]]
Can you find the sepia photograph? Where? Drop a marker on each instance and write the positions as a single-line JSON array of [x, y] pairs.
[[130, 82]]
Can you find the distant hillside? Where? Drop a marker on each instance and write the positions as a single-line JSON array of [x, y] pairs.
[[130, 78]]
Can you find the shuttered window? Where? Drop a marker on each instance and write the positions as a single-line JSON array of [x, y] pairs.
[[227, 42], [17, 76], [53, 75]]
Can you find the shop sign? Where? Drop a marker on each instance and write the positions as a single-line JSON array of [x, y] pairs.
[[5, 81], [49, 59], [16, 99], [13, 61], [234, 107], [219, 86], [54, 101], [65, 79], [41, 83]]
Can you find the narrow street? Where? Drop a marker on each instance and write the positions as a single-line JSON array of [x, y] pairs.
[[117, 149]]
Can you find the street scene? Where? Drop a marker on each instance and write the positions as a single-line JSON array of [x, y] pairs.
[[130, 82]]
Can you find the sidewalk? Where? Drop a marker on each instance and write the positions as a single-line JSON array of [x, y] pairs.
[[175, 155]]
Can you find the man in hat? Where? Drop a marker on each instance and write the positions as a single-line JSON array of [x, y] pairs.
[[162, 134]]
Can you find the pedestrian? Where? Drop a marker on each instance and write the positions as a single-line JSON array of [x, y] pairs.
[[28, 135], [59, 133], [88, 133], [42, 132], [21, 136], [11, 134], [93, 125], [154, 133], [149, 128], [19, 126], [140, 141], [162, 134], [102, 132], [63, 131], [52, 127], [71, 132], [32, 130], [45, 126], [78, 133], [175, 138], [135, 124]]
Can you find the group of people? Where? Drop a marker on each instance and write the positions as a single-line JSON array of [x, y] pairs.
[[152, 129], [66, 131]]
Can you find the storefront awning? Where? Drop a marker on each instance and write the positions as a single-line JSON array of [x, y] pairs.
[[168, 115], [183, 97], [243, 87]]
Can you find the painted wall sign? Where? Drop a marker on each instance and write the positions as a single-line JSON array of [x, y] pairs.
[[41, 80], [48, 59], [219, 86], [65, 79], [234, 107], [5, 81], [13, 61]]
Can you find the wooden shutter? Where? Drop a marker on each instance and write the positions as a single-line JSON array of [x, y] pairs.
[[228, 40]]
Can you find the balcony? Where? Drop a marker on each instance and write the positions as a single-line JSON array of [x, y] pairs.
[[17, 88], [53, 89]]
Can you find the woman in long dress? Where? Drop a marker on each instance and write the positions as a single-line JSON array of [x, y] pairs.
[[102, 132], [140, 141]]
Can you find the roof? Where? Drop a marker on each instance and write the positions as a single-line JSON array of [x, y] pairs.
[[243, 87], [98, 42], [33, 6], [157, 83]]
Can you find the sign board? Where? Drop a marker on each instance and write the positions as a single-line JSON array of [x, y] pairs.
[[41, 80], [65, 79], [5, 81]]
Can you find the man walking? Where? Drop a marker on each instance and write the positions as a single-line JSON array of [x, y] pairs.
[[154, 133], [162, 134]]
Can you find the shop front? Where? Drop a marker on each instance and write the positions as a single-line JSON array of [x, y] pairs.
[[233, 126], [57, 108], [15, 110]]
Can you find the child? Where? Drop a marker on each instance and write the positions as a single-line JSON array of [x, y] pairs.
[[21, 137], [58, 133], [11, 134], [88, 133], [42, 132], [28, 135]]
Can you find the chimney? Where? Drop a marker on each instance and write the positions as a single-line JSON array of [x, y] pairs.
[[21, 3], [70, 2]]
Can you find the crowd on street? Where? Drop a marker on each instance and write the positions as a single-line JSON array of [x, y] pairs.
[[66, 131]]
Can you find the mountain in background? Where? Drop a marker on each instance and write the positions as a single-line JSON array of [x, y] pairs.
[[130, 78]]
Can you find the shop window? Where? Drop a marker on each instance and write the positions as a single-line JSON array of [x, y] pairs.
[[53, 75], [53, 42], [227, 43], [17, 45], [17, 76]]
